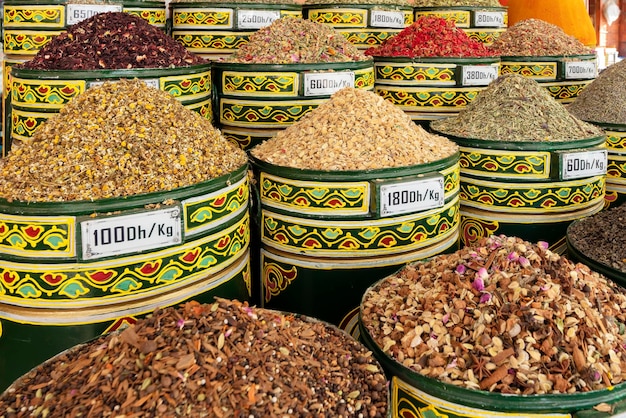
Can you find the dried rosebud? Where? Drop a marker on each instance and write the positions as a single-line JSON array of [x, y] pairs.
[[524, 261], [445, 318], [460, 269], [543, 245], [513, 256], [478, 284], [482, 273], [485, 297]]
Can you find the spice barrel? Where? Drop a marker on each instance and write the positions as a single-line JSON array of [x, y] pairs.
[[364, 25], [36, 95], [563, 76], [326, 235], [73, 270], [480, 23], [529, 189], [253, 101], [215, 30], [432, 88]]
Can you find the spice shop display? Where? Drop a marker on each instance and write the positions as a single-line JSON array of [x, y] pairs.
[[224, 359], [349, 193], [602, 103], [104, 47], [482, 20], [214, 29], [122, 202], [365, 23], [598, 242], [528, 167], [500, 328], [286, 70], [432, 69], [544, 52]]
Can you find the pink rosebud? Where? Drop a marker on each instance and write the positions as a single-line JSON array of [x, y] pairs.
[[485, 297], [523, 261], [460, 269], [180, 323], [513, 256], [478, 284], [482, 273], [445, 318], [543, 245], [228, 332]]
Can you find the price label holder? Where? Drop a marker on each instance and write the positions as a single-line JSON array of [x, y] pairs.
[[410, 194], [580, 70], [387, 19], [327, 83], [478, 75], [76, 13], [256, 19], [150, 82], [576, 164], [489, 19], [141, 230]]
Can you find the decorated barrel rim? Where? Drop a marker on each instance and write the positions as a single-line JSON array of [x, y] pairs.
[[413, 392], [266, 97], [551, 68], [364, 25], [36, 95], [215, 30], [30, 24]]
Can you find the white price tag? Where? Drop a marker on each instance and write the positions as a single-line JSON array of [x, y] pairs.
[[125, 234], [327, 83], [150, 82], [580, 70], [411, 196], [78, 12], [581, 164], [256, 19], [479, 75], [485, 19], [387, 19]]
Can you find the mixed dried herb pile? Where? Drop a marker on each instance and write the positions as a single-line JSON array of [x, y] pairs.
[[119, 139], [516, 108], [439, 3], [604, 99], [601, 237], [536, 37], [296, 41], [375, 2], [354, 130], [430, 36], [224, 359], [113, 41], [503, 315]]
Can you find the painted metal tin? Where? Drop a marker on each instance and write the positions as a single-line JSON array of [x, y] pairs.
[[616, 167], [72, 270], [216, 30], [429, 88], [325, 236], [364, 25], [482, 24], [36, 95], [253, 101]]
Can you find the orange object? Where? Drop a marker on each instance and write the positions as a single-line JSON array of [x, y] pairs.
[[570, 15]]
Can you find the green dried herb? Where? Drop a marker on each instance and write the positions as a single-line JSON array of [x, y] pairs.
[[446, 3], [516, 108], [604, 100], [375, 2]]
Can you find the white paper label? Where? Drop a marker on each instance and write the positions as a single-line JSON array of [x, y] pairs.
[[387, 19], [325, 84], [78, 12], [256, 19], [479, 75], [125, 234], [577, 165], [411, 196], [484, 19], [150, 82], [580, 70]]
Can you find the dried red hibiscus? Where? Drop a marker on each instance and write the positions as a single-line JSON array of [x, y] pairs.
[[430, 36], [112, 41]]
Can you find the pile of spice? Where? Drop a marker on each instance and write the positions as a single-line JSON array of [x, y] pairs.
[[354, 130], [447, 3], [604, 99], [536, 37], [516, 108], [430, 36], [241, 1], [112, 40], [225, 359], [601, 237], [504, 316], [291, 40], [375, 2], [118, 139]]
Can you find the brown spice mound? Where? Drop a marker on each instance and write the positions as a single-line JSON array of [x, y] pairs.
[[516, 108], [503, 315], [113, 41], [119, 139], [354, 130], [224, 359], [292, 40]]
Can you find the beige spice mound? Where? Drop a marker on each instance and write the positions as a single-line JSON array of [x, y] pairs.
[[354, 130], [118, 139]]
